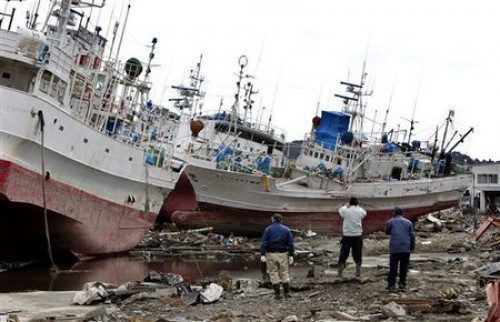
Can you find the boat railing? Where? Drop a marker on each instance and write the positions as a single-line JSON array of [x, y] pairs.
[[9, 41]]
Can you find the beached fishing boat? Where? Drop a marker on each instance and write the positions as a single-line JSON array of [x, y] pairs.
[[80, 136], [337, 161], [223, 139]]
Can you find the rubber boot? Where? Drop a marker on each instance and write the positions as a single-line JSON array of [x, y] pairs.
[[358, 270], [286, 290], [277, 295]]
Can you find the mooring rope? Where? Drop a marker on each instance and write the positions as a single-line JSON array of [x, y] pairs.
[[54, 268]]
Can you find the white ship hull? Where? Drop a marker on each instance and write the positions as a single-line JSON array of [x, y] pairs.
[[233, 200], [118, 190]]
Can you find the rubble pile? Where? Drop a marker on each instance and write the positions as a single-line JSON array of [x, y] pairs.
[[199, 244], [454, 276], [450, 272]]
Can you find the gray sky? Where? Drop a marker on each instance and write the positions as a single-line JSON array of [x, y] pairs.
[[453, 47]]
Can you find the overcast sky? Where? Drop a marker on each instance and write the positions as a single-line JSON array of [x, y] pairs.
[[295, 48]]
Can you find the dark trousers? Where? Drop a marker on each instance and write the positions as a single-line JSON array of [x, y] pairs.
[[403, 260], [348, 243]]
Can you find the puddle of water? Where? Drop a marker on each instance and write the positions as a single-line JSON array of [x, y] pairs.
[[118, 270]]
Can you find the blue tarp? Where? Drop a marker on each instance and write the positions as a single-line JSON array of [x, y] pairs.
[[263, 164], [333, 124], [222, 152]]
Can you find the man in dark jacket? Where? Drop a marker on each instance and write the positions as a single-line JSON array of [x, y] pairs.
[[277, 251], [401, 244]]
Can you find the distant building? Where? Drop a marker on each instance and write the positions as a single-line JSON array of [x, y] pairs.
[[486, 187]]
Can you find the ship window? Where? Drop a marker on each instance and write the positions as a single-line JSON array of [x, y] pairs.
[[487, 178], [107, 150], [62, 91], [6, 75], [321, 156], [130, 159], [45, 81], [339, 162], [310, 153], [61, 128], [315, 155], [327, 158], [54, 86]]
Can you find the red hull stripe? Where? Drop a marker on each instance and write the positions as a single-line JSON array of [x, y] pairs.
[[251, 223], [79, 221]]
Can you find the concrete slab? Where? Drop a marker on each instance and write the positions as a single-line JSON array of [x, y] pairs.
[[39, 305]]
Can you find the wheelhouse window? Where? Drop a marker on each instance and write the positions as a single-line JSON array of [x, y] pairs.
[[487, 178], [53, 85], [45, 81], [62, 91], [17, 75]]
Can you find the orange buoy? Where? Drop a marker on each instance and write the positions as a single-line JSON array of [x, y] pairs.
[[196, 126]]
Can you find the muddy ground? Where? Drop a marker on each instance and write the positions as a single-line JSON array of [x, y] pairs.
[[446, 283]]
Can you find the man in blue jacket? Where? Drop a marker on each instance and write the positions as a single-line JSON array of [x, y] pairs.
[[277, 251], [401, 244]]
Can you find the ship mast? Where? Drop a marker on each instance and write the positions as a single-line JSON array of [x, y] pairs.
[[248, 100], [384, 124], [196, 81], [192, 94], [449, 119], [242, 62]]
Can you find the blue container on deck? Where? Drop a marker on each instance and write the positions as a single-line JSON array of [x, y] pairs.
[[223, 152], [415, 145], [333, 125], [346, 137], [339, 171], [391, 147], [264, 164], [150, 159]]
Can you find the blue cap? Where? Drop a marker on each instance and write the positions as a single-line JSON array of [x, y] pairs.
[[398, 211]]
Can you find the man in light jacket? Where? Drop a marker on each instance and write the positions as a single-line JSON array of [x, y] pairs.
[[401, 244], [352, 231]]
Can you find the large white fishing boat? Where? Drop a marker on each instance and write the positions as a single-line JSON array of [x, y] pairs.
[[80, 136], [337, 161]]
